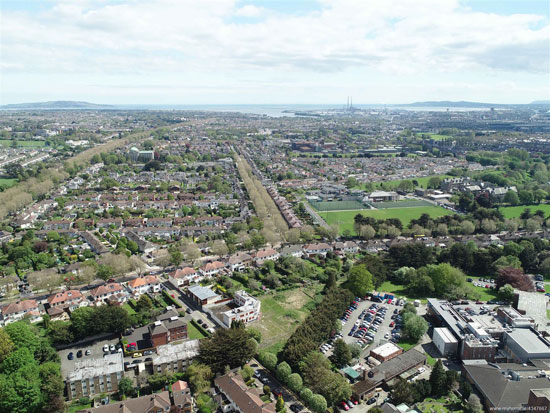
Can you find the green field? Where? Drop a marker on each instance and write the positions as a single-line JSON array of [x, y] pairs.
[[282, 312], [515, 212], [36, 144], [344, 219], [7, 182]]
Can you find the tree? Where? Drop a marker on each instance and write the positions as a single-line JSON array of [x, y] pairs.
[[144, 303], [415, 327], [295, 382], [438, 380], [474, 404], [506, 293], [233, 346], [269, 360], [176, 257], [515, 278], [199, 376], [60, 332], [318, 404], [306, 395], [247, 372], [366, 231], [283, 371], [280, 405], [6, 344], [402, 392], [51, 387], [360, 280], [511, 197], [318, 376], [125, 386], [341, 355], [465, 389]]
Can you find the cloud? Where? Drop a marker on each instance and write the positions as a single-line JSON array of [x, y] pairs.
[[249, 11]]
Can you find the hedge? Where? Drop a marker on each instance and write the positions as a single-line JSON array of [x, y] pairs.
[[201, 328], [171, 300]]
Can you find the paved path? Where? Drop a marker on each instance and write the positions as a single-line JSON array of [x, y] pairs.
[[316, 217]]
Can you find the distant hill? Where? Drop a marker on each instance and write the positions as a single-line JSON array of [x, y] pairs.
[[57, 104], [466, 104]]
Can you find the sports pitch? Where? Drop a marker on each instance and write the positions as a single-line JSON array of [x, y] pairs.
[[344, 219]]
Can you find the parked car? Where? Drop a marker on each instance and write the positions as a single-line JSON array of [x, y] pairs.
[[70, 356], [371, 400], [106, 348], [147, 352], [344, 405], [79, 353], [136, 355]]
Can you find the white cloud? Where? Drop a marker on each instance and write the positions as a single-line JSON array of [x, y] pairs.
[[249, 11], [152, 37]]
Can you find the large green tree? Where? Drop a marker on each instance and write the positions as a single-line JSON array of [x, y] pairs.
[[360, 280], [341, 355], [231, 347]]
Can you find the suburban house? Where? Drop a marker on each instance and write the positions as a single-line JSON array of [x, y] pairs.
[[151, 403], [113, 292], [16, 311], [292, 251], [264, 255], [212, 268], [184, 276], [143, 285], [239, 261], [70, 299], [202, 295], [346, 247], [247, 309], [181, 393], [109, 222], [320, 248], [241, 398]]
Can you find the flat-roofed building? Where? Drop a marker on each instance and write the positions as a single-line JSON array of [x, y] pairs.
[[445, 342], [386, 352], [202, 295], [90, 376], [175, 358], [522, 345]]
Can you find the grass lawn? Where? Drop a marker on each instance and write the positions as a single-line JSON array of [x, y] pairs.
[[407, 344], [515, 212], [74, 407], [344, 219], [129, 309], [282, 312], [449, 403], [8, 142], [193, 332], [399, 291], [7, 182]]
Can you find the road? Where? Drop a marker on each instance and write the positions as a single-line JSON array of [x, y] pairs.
[[316, 217]]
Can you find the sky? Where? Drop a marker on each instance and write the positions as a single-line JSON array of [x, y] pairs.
[[274, 51]]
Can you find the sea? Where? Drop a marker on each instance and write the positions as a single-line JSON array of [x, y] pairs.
[[281, 110]]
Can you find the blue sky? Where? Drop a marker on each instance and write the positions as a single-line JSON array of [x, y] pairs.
[[274, 51]]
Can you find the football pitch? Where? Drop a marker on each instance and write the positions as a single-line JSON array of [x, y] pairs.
[[344, 219]]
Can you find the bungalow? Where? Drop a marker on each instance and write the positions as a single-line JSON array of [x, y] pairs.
[[184, 276], [16, 311], [212, 268], [113, 292], [320, 248], [265, 255], [143, 285]]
